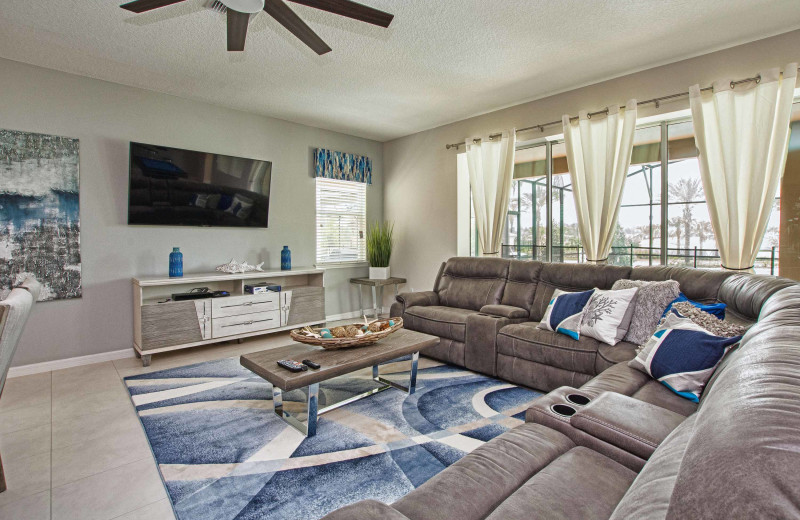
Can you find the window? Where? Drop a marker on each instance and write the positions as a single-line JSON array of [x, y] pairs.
[[679, 209], [341, 221], [638, 236]]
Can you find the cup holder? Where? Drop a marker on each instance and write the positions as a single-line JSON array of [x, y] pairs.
[[580, 400], [563, 410]]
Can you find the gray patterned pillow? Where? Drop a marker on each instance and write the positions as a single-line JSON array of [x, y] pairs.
[[711, 323], [651, 300]]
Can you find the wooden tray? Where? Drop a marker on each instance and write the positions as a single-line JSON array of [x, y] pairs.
[[335, 343]]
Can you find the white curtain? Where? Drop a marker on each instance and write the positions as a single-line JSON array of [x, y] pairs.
[[598, 154], [742, 134], [491, 168]]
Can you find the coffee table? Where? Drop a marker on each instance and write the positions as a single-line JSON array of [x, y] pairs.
[[334, 363]]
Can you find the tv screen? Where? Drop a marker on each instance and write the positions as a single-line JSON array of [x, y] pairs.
[[174, 187]]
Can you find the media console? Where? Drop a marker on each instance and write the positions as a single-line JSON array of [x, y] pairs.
[[160, 325]]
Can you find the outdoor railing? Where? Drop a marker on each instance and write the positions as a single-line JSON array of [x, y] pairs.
[[766, 261]]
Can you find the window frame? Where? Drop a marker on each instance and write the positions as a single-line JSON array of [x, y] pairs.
[[329, 261]]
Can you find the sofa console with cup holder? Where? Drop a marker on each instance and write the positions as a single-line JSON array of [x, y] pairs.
[[617, 444]]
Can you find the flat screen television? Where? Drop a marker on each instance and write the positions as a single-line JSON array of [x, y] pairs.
[[174, 187]]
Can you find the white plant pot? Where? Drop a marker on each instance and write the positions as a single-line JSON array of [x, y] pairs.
[[379, 273]]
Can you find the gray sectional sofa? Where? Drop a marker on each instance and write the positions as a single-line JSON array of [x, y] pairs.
[[608, 441]]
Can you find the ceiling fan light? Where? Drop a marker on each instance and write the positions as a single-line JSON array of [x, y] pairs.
[[244, 6]]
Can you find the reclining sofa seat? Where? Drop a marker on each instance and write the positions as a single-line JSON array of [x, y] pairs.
[[735, 457], [463, 287]]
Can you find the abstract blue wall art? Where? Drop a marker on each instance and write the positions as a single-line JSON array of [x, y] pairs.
[[342, 166], [40, 213]]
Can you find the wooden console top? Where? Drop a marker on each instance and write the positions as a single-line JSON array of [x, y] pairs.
[[216, 276]]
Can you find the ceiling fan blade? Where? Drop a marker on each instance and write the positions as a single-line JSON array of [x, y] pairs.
[[140, 6], [289, 19], [237, 29], [350, 9]]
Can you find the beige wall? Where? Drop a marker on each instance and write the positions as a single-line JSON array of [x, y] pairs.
[[106, 117], [420, 174]]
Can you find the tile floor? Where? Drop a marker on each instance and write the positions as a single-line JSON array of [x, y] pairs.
[[72, 445]]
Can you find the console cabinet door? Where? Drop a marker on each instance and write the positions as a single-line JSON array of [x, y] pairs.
[[303, 305], [175, 323]]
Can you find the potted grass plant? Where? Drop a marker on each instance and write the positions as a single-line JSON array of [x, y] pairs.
[[379, 249]]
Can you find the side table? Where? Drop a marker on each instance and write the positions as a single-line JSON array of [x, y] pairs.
[[375, 284]]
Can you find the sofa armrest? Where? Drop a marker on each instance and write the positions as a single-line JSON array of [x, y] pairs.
[[506, 311], [366, 510], [633, 425], [413, 299]]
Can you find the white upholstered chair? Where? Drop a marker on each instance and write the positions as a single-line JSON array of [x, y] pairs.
[[14, 312]]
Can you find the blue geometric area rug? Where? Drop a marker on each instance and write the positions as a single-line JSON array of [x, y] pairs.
[[224, 454]]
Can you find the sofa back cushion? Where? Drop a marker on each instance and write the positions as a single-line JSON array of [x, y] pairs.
[[745, 294], [572, 278], [471, 283], [701, 285], [523, 278]]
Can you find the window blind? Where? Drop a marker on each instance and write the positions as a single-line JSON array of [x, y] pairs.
[[341, 221]]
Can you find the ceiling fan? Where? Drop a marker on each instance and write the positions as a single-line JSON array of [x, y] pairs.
[[239, 11]]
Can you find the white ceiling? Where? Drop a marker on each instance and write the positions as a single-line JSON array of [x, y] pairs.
[[440, 60]]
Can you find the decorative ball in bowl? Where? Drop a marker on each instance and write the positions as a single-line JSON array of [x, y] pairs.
[[344, 336]]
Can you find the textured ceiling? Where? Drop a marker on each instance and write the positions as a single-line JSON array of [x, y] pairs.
[[440, 60]]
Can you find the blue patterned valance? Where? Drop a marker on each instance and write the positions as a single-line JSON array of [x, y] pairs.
[[342, 166]]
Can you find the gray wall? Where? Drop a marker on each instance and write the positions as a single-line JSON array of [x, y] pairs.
[[105, 117], [420, 174]]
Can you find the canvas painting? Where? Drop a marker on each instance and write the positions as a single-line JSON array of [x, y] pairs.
[[40, 213]]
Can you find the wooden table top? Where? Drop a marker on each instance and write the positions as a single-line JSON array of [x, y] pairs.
[[377, 283], [333, 363]]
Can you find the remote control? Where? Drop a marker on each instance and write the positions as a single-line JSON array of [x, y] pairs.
[[292, 366], [311, 364]]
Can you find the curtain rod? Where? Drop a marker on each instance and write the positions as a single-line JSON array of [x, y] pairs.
[[657, 101]]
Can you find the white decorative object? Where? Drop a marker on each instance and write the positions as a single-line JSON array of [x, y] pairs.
[[379, 273], [235, 267]]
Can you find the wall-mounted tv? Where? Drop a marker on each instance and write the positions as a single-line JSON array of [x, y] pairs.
[[174, 187]]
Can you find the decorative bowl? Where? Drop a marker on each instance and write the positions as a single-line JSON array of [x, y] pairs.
[[313, 336]]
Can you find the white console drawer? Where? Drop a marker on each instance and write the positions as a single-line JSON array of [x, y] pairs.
[[247, 304], [232, 325]]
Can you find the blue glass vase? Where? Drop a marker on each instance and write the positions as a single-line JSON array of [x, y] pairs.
[[176, 263], [286, 259]]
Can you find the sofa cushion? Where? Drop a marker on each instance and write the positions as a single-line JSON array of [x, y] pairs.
[[526, 341], [471, 283], [610, 355], [445, 322], [608, 314], [573, 278], [564, 312], [581, 484], [682, 355], [366, 510], [651, 301], [474, 486], [523, 277], [625, 380]]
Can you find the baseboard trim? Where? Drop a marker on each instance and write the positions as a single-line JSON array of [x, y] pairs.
[[48, 366]]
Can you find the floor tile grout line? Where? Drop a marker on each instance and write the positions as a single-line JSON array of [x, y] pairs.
[[138, 508], [104, 471]]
